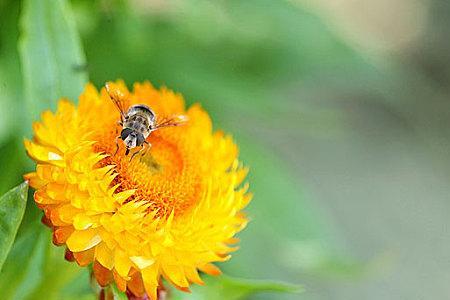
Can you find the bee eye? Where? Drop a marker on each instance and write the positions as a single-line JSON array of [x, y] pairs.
[[125, 133]]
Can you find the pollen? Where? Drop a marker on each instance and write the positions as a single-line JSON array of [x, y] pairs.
[[167, 176], [169, 211]]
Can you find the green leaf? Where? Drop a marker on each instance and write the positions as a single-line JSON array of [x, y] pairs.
[[52, 59], [36, 269], [56, 274], [78, 288], [12, 208], [16, 265], [278, 203], [11, 162], [118, 295], [10, 76], [32, 265], [229, 288]]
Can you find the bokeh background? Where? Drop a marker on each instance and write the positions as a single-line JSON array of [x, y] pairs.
[[340, 107]]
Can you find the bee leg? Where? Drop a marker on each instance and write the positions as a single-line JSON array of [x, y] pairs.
[[134, 154], [117, 145], [120, 123], [145, 149]]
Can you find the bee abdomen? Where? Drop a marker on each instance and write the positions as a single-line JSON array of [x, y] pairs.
[[139, 119]]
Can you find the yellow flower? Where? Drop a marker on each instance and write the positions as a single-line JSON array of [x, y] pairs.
[[167, 214]]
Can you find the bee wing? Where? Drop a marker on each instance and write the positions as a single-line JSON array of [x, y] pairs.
[[171, 121], [120, 99]]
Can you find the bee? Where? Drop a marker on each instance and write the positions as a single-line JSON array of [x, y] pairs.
[[138, 121]]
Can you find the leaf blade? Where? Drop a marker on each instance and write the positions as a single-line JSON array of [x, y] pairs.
[[10, 76], [232, 288], [51, 55], [118, 295], [12, 208]]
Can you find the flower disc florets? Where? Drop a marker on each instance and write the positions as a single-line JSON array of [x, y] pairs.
[[170, 212]]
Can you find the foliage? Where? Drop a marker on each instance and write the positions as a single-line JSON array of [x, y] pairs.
[[227, 288], [235, 57], [51, 55], [12, 208]]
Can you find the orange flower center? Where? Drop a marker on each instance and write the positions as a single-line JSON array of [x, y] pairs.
[[164, 174]]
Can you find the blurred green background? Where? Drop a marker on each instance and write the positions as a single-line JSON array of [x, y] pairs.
[[341, 109]]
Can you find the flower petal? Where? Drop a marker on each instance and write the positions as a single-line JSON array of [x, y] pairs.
[[81, 240], [104, 255], [142, 262], [84, 258], [103, 275], [122, 263], [150, 278]]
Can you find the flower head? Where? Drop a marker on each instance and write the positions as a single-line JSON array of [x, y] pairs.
[[165, 214]]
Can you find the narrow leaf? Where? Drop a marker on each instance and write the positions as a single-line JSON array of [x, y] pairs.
[[117, 294], [12, 208], [36, 269], [229, 288], [52, 59], [10, 76]]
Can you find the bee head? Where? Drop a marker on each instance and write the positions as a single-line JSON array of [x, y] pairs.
[[131, 138]]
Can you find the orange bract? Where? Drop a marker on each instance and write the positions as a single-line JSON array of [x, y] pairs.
[[169, 213]]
